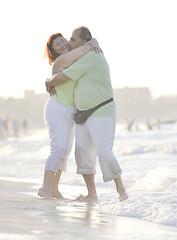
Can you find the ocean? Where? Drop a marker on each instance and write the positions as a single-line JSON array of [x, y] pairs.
[[148, 159]]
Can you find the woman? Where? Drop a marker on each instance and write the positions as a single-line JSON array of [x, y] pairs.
[[59, 112]]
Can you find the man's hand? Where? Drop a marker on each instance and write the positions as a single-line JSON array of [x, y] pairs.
[[50, 90], [56, 79], [47, 82]]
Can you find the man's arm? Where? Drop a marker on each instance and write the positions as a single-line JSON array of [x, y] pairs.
[[57, 79]]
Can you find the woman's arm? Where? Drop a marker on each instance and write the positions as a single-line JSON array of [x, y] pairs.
[[65, 60]]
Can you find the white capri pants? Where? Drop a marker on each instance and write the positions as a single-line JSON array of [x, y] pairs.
[[95, 138], [59, 119]]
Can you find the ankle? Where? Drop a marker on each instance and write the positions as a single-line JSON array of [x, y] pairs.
[[92, 195], [43, 193], [121, 190], [54, 190], [123, 196]]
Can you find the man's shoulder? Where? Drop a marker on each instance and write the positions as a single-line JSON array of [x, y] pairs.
[[92, 54]]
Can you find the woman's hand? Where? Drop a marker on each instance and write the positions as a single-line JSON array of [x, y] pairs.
[[95, 46]]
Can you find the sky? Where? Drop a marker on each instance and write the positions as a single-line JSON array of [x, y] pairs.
[[138, 37]]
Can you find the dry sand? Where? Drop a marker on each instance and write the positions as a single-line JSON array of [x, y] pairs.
[[23, 215]]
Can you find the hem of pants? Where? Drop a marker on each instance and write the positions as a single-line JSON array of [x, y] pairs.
[[85, 171], [55, 171], [107, 179]]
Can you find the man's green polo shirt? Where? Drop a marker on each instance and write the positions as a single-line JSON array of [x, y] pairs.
[[92, 74]]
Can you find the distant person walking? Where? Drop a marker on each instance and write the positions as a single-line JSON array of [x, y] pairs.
[[15, 127], [2, 129]]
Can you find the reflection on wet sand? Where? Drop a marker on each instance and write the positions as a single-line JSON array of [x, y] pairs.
[[25, 216]]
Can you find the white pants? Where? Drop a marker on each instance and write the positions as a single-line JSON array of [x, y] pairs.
[[59, 119], [95, 138]]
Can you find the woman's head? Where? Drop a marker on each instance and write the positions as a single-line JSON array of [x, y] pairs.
[[56, 45]]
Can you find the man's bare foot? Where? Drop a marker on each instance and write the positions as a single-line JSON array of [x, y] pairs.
[[123, 196], [89, 199], [42, 193], [57, 194]]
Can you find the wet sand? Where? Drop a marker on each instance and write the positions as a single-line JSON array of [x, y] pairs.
[[23, 215]]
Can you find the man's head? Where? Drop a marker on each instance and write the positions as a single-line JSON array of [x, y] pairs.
[[79, 36]]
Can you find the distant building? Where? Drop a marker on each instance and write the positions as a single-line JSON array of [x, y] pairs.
[[166, 107], [133, 104], [29, 94]]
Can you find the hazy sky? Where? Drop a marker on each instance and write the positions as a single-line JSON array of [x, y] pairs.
[[139, 39]]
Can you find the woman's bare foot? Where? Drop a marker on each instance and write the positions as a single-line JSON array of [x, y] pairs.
[[57, 194], [42, 193]]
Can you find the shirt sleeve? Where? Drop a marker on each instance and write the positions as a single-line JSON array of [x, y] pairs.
[[78, 68]]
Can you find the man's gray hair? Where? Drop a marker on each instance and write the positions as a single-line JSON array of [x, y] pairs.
[[85, 33]]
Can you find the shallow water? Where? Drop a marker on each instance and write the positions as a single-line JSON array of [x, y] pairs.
[[148, 160]]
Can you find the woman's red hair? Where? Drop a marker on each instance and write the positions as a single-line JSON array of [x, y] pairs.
[[49, 51]]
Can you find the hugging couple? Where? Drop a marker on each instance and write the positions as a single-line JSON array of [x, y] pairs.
[[80, 81]]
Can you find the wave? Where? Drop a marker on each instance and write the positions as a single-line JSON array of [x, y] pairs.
[[157, 208], [141, 149], [160, 179]]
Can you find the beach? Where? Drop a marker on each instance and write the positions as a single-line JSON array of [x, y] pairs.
[[148, 161], [25, 216]]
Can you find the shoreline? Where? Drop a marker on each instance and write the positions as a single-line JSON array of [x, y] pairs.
[[24, 213]]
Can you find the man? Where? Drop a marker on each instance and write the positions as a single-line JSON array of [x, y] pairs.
[[95, 137]]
